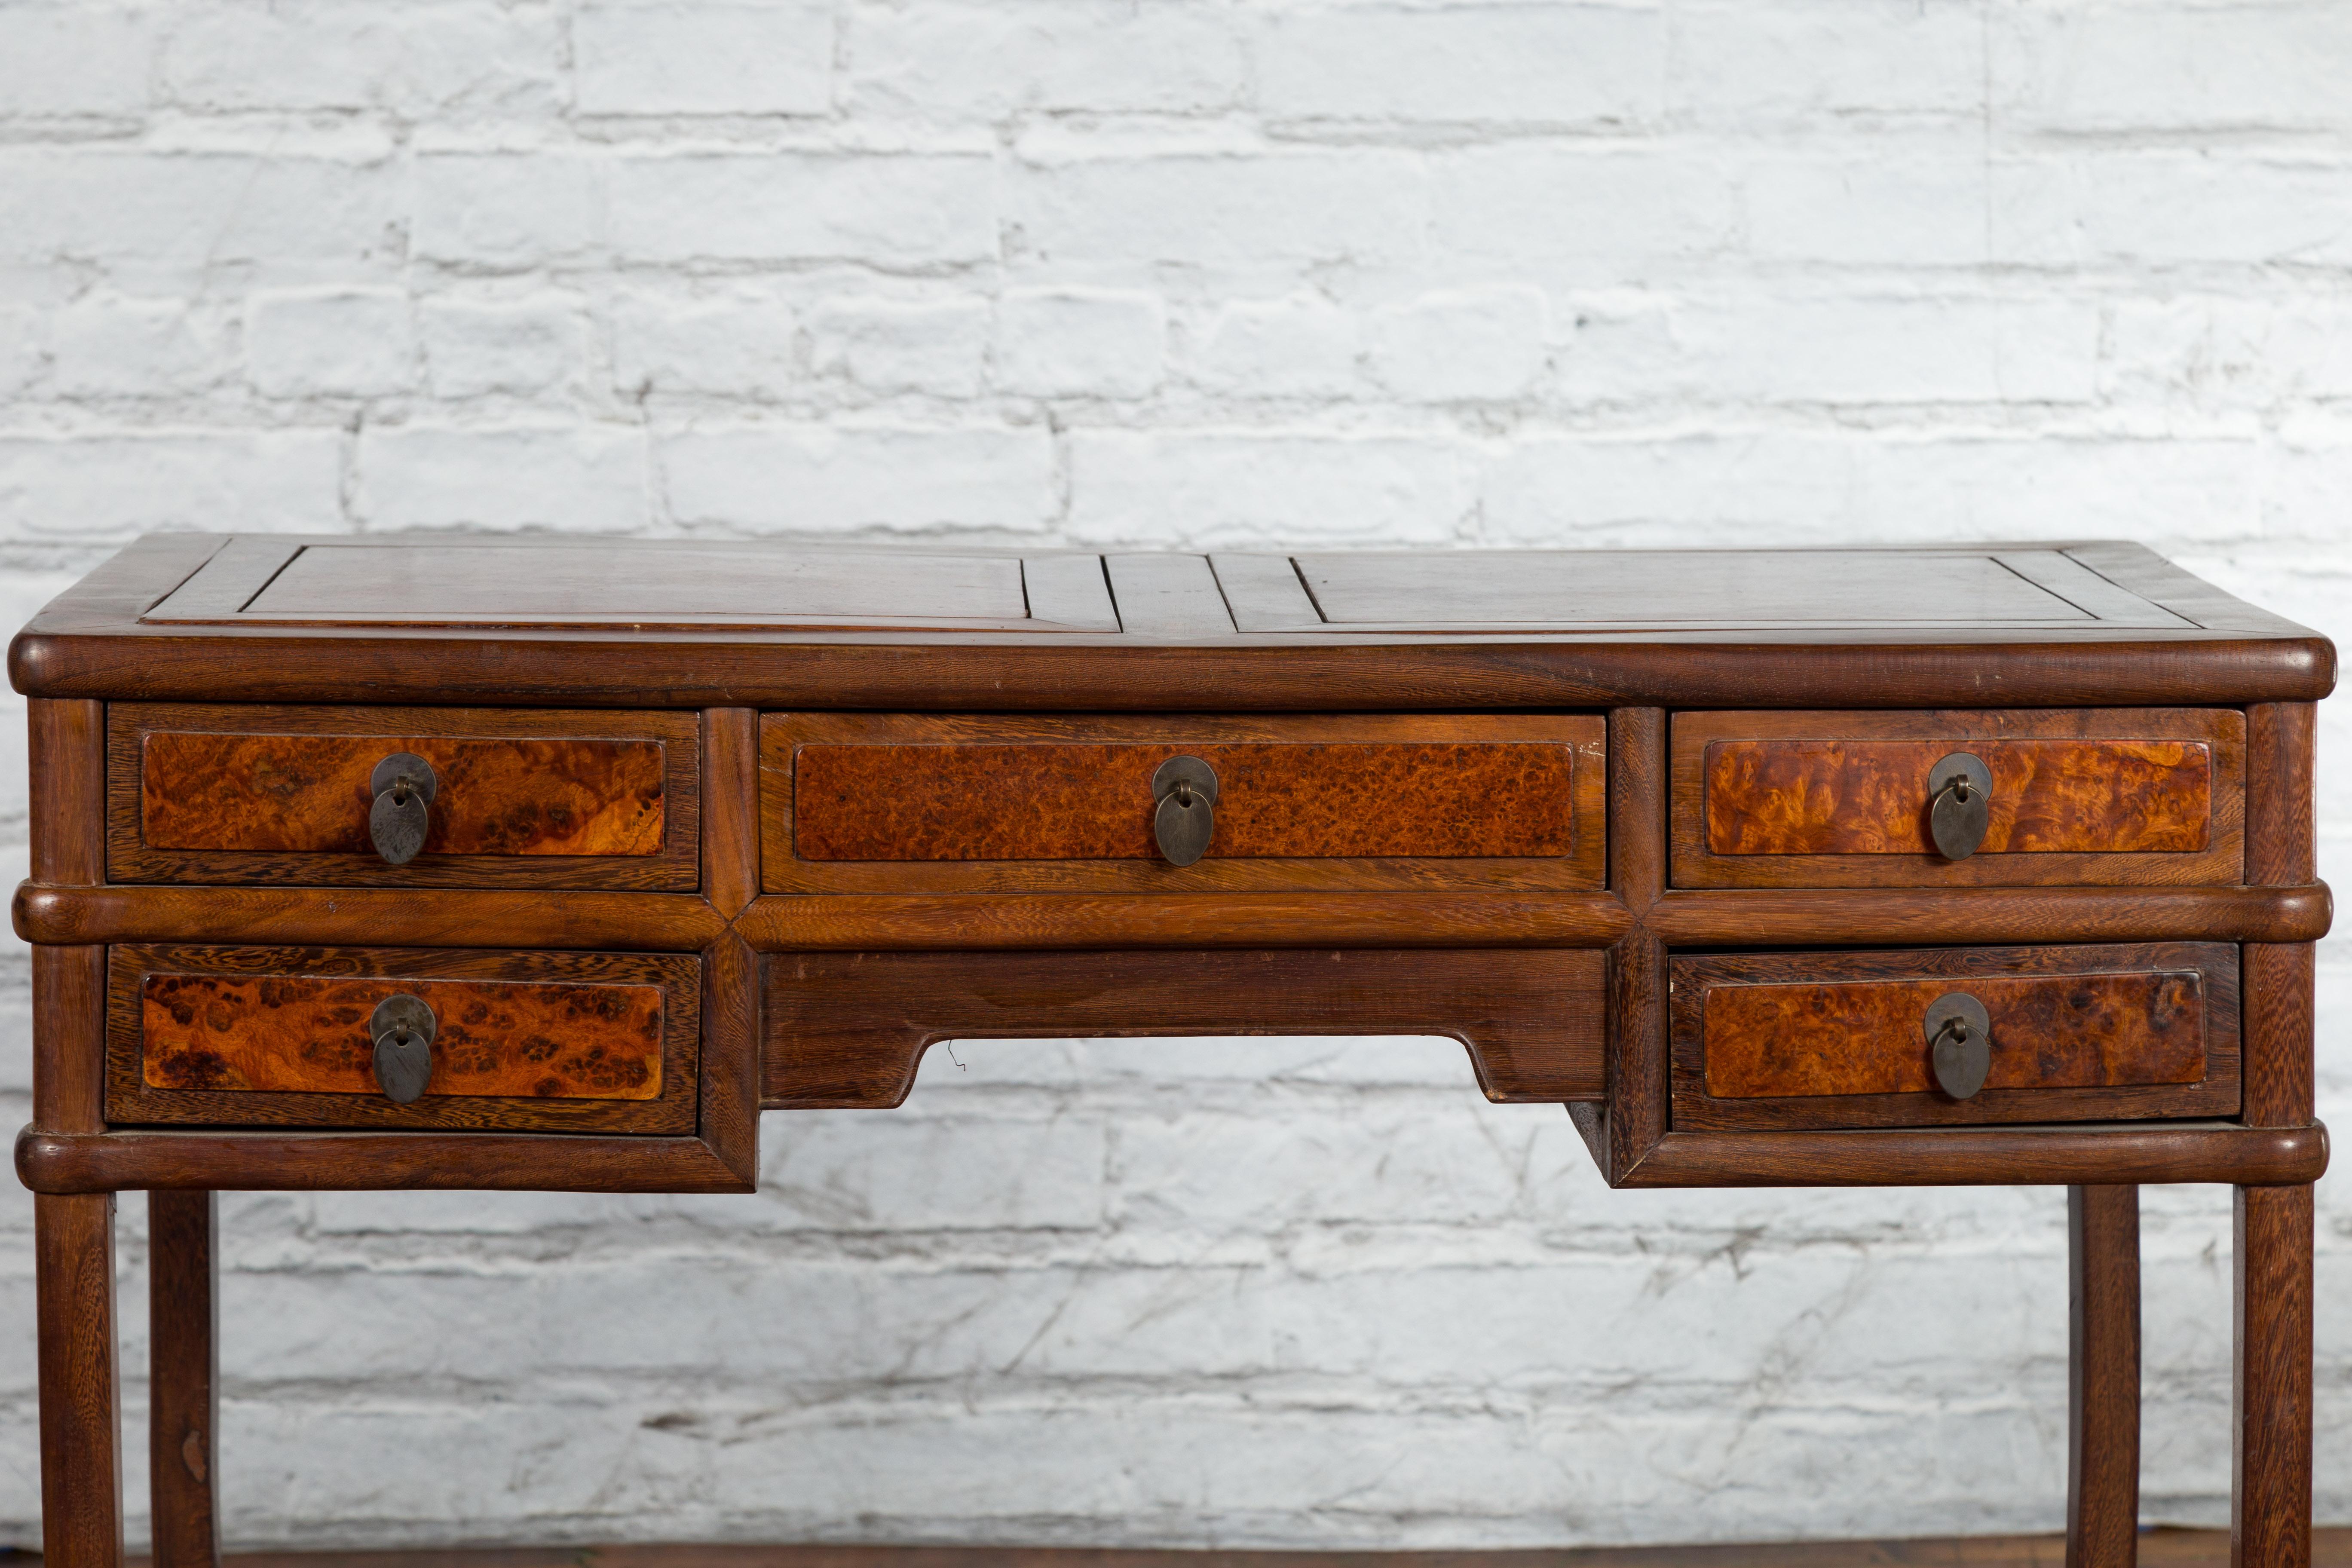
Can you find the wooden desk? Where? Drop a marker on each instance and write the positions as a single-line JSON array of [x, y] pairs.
[[485, 863]]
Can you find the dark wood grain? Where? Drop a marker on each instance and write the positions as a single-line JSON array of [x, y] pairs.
[[501, 1047], [528, 798], [1839, 799], [238, 1160], [2103, 1376], [731, 974], [1870, 797], [848, 1029], [347, 917], [2046, 1155], [855, 922], [1621, 1131], [81, 1411], [913, 803], [1164, 595], [1834, 1040], [310, 794], [310, 1033], [1878, 917], [183, 1377], [1031, 802], [67, 755], [2269, 1510]]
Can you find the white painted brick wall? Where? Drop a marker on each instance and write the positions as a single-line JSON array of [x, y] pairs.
[[1183, 272]]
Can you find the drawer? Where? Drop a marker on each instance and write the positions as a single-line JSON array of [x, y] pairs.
[[1840, 1039], [2085, 796], [520, 798], [570, 1042], [921, 803]]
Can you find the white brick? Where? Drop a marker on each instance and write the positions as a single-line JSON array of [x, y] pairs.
[[1917, 350], [346, 54], [661, 57], [2230, 352], [1739, 64], [91, 489], [992, 58], [73, 59], [1519, 64], [330, 342], [589, 477], [2163, 206], [741, 342], [1457, 344], [1301, 345], [178, 214], [503, 209], [1250, 490], [812, 478], [1315, 206], [2169, 67], [107, 345], [1080, 342], [522, 347], [935, 346], [24, 336], [1592, 203], [902, 212], [1898, 202]]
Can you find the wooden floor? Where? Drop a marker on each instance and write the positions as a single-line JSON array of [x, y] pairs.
[[2157, 1549]]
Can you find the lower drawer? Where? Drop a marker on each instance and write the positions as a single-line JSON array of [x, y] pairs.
[[278, 1037], [1846, 1039]]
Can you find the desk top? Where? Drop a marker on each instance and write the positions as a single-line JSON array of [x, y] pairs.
[[576, 619]]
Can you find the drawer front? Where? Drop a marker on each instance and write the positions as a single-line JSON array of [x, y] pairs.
[[286, 1037], [916, 802], [521, 798], [1842, 1039], [2087, 796]]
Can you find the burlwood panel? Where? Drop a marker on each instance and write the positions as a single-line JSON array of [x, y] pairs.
[[526, 1041], [2082, 795], [525, 797], [913, 803], [311, 792], [310, 1033], [1834, 1040], [849, 1028]]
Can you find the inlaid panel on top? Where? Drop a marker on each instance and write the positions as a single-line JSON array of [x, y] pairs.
[[1638, 590], [1987, 592], [605, 582]]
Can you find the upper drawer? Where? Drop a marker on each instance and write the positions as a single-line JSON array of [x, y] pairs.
[[2093, 795], [919, 803], [520, 798]]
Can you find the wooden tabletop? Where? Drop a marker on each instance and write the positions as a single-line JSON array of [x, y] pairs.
[[695, 621]]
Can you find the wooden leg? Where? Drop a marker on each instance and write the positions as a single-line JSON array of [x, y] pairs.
[[81, 1411], [2103, 1378], [2270, 1490], [183, 1377]]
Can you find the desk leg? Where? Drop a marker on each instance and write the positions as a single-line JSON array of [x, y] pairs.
[[183, 1377], [81, 1411], [2270, 1491], [2103, 1378]]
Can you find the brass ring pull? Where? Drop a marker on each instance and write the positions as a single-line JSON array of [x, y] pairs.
[[1184, 792], [403, 1028], [1959, 804], [403, 788], [1959, 1037]]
